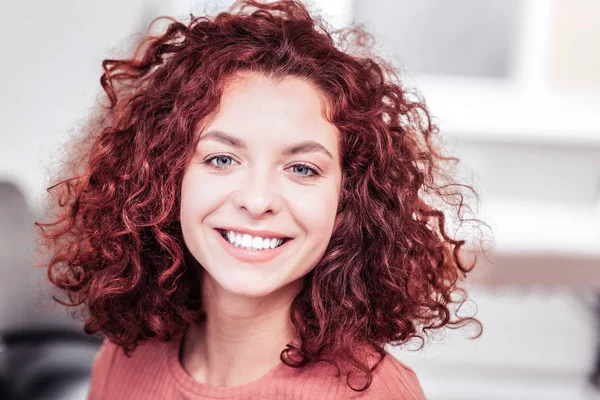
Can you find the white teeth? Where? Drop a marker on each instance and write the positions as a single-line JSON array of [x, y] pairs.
[[257, 243], [253, 243], [266, 244], [246, 240]]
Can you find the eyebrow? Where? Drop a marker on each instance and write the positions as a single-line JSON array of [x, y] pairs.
[[307, 146]]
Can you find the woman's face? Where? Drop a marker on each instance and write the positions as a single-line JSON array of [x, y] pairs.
[[266, 173]]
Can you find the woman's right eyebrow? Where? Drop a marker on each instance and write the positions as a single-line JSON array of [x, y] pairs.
[[308, 146], [225, 138]]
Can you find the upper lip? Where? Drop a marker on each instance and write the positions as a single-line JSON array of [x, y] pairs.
[[262, 232]]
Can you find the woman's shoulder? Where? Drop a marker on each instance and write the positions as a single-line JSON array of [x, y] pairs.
[[392, 379], [111, 355], [147, 364]]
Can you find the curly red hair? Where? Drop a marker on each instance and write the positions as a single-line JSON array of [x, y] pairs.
[[115, 245]]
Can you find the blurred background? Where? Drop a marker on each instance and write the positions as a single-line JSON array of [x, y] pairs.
[[514, 86]]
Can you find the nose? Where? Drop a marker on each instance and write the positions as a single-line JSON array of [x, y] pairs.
[[258, 194]]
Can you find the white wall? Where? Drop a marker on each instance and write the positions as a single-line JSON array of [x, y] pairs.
[[50, 74]]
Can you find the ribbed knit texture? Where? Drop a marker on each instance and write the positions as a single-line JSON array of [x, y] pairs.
[[154, 372]]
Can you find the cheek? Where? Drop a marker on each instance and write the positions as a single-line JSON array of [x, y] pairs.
[[189, 197], [316, 211], [196, 198]]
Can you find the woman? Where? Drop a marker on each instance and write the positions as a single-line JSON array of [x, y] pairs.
[[252, 216]]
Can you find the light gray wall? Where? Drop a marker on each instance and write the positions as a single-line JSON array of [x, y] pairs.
[[50, 71]]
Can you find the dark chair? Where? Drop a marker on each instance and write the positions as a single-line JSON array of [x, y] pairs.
[[595, 375], [44, 353]]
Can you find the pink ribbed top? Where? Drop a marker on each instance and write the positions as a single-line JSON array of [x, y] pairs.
[[154, 372]]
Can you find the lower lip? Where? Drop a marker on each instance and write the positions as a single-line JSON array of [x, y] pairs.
[[250, 255]]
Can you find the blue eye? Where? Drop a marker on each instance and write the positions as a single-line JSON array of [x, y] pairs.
[[221, 161], [305, 171], [225, 159]]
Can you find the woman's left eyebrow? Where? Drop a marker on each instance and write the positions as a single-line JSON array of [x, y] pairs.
[[308, 146]]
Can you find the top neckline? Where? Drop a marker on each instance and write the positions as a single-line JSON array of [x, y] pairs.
[[204, 389]]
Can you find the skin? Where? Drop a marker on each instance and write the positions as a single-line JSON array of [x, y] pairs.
[[247, 304]]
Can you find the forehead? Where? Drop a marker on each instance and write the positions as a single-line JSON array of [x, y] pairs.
[[259, 108], [291, 95]]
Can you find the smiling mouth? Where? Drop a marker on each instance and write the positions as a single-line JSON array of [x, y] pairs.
[[278, 243]]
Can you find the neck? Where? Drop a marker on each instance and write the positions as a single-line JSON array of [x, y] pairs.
[[241, 338]]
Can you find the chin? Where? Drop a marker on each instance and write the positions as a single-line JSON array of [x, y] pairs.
[[242, 283], [251, 284]]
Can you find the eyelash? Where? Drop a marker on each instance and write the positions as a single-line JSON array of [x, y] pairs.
[[315, 173]]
